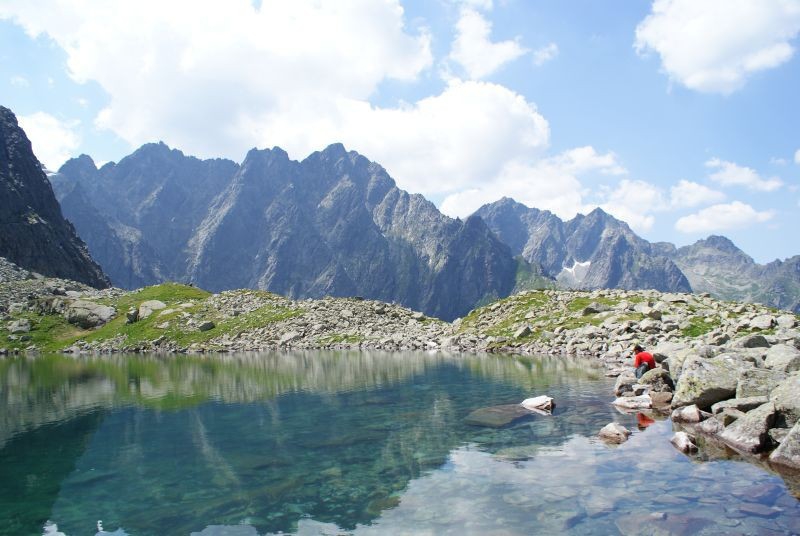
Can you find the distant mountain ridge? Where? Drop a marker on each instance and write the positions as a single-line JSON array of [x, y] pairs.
[[332, 224], [599, 251], [33, 232]]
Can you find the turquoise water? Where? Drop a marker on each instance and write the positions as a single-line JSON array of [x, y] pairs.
[[341, 443]]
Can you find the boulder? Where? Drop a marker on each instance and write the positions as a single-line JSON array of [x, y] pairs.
[[711, 426], [783, 358], [728, 415], [522, 332], [786, 397], [132, 315], [497, 416], [634, 402], [594, 308], [146, 308], [625, 382], [288, 337], [206, 325], [750, 433], [778, 435], [707, 381], [683, 443], [752, 341], [689, 414], [661, 401], [664, 350], [786, 321], [657, 380], [23, 325], [758, 382], [742, 404], [614, 433], [88, 314], [538, 403], [788, 452], [762, 322]]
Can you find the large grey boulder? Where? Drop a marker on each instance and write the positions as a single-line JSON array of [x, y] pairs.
[[741, 404], [788, 452], [657, 380], [762, 322], [683, 442], [147, 308], [88, 314], [752, 341], [758, 382], [625, 383], [783, 357], [786, 397], [750, 433], [706, 381], [664, 350]]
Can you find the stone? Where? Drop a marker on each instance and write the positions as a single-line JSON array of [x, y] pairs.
[[543, 403], [289, 336], [418, 316], [762, 322], [594, 308], [786, 397], [752, 341], [786, 321], [783, 358], [742, 404], [758, 382], [23, 325], [657, 380], [706, 381], [711, 426], [88, 314], [750, 433], [206, 325], [497, 416], [728, 415], [147, 308], [688, 414], [634, 402], [664, 350], [683, 443], [522, 332], [346, 313], [614, 433], [132, 315], [661, 400], [625, 382], [778, 435]]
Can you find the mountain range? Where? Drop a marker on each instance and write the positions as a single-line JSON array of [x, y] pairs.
[[335, 224], [33, 231]]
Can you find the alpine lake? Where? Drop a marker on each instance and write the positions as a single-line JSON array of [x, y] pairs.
[[325, 442]]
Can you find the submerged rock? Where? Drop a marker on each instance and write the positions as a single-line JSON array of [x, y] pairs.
[[634, 402], [497, 416], [683, 443], [614, 433]]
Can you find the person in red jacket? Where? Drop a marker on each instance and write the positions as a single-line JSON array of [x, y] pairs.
[[642, 361]]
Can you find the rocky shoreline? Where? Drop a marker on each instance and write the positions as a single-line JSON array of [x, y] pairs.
[[730, 371]]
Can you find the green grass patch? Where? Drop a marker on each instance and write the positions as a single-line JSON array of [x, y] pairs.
[[515, 308], [340, 338], [48, 333], [579, 304], [698, 327]]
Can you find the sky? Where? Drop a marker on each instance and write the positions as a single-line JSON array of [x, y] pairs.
[[680, 117]]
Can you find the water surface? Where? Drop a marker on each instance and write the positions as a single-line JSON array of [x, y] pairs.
[[333, 442]]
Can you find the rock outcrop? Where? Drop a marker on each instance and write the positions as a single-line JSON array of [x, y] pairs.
[[33, 233]]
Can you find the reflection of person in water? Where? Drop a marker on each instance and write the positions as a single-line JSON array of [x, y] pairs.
[[642, 361], [643, 421]]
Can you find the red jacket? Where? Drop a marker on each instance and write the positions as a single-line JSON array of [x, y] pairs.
[[644, 357]]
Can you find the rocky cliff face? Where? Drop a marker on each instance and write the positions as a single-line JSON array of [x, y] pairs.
[[717, 266], [592, 251], [333, 224], [33, 232]]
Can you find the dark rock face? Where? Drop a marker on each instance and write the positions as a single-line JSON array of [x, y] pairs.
[[717, 266], [333, 224], [34, 234], [592, 251]]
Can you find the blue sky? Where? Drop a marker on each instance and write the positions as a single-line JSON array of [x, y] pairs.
[[677, 116]]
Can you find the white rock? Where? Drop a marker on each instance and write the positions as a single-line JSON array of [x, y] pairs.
[[634, 402], [614, 433], [683, 442], [146, 308], [543, 403]]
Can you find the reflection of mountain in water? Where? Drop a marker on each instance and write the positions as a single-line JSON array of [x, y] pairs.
[[333, 436]]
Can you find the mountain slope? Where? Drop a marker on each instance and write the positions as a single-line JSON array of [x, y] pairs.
[[333, 224], [591, 251], [34, 234]]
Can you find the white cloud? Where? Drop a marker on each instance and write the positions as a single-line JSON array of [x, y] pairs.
[[474, 50], [199, 75], [545, 54], [725, 217], [53, 141], [485, 5], [797, 157], [687, 194], [551, 183], [634, 202], [19, 81], [715, 45], [730, 174]]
